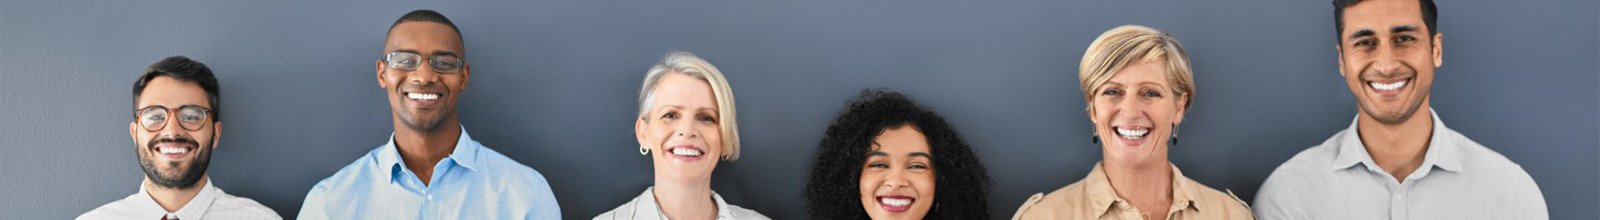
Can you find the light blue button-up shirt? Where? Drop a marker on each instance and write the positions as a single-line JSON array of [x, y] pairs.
[[1458, 179], [474, 182]]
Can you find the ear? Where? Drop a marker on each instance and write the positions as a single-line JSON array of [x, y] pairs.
[[216, 134], [1090, 109], [1438, 49], [1340, 56], [1183, 107], [638, 132], [133, 127], [466, 75], [378, 65]]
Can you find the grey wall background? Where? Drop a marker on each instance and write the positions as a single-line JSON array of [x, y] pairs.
[[554, 86]]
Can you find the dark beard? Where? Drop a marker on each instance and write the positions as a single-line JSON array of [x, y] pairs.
[[197, 167]]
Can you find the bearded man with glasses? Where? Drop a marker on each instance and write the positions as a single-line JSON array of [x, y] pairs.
[[175, 127]]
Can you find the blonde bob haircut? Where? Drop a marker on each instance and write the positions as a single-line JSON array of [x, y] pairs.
[[1130, 44], [690, 65]]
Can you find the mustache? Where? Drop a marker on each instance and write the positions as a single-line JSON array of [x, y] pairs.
[[431, 87], [1403, 71], [181, 140]]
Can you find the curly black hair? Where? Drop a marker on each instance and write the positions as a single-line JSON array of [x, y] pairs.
[[832, 192]]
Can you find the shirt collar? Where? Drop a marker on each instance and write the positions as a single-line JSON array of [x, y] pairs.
[[647, 203], [1102, 197], [465, 154], [196, 207], [1442, 151]]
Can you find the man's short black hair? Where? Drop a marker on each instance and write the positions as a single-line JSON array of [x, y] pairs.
[[426, 15], [183, 69], [1430, 17]]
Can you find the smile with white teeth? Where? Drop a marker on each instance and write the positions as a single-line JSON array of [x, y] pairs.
[[1388, 86], [894, 201], [172, 150], [422, 96], [1132, 133], [685, 152]]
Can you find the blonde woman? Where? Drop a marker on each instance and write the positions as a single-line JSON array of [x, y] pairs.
[[686, 124], [1138, 84]]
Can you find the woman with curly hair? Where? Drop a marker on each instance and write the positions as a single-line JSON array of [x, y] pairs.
[[887, 158]]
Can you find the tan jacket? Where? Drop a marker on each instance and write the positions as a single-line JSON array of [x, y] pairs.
[[1093, 198]]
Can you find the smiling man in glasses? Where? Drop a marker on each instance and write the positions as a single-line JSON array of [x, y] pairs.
[[175, 127], [430, 168]]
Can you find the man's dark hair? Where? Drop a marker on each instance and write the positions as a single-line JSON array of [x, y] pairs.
[[426, 15], [833, 189], [183, 69], [1430, 17]]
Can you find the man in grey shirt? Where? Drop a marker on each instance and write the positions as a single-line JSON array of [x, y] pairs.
[[1397, 160]]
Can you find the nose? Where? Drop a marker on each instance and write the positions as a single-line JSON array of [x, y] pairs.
[[1387, 62], [1130, 107], [423, 75], [172, 129], [685, 128], [895, 179]]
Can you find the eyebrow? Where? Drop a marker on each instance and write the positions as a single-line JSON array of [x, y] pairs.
[[441, 52], [435, 53], [1110, 83], [1402, 28], [913, 154], [1362, 33], [712, 110]]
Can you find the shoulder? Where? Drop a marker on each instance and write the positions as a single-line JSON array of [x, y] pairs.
[[508, 171], [1305, 167], [624, 211], [1481, 157], [112, 210], [1222, 204], [345, 181], [228, 206], [1052, 205], [1314, 157], [621, 212], [363, 167], [743, 213], [1492, 167]]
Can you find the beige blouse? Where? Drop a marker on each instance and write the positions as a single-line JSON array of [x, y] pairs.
[[1093, 198]]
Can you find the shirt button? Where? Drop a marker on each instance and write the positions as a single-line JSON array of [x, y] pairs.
[[1399, 197], [430, 196]]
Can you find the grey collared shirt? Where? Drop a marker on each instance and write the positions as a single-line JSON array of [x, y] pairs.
[[1458, 179], [644, 207]]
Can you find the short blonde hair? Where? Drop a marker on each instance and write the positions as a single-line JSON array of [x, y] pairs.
[[1128, 44], [688, 64]]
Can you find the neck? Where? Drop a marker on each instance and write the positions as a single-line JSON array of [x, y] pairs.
[[1147, 187], [173, 199], [1397, 148], [421, 150], [679, 200]]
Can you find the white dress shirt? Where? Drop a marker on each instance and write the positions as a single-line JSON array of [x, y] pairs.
[[644, 208], [210, 203]]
